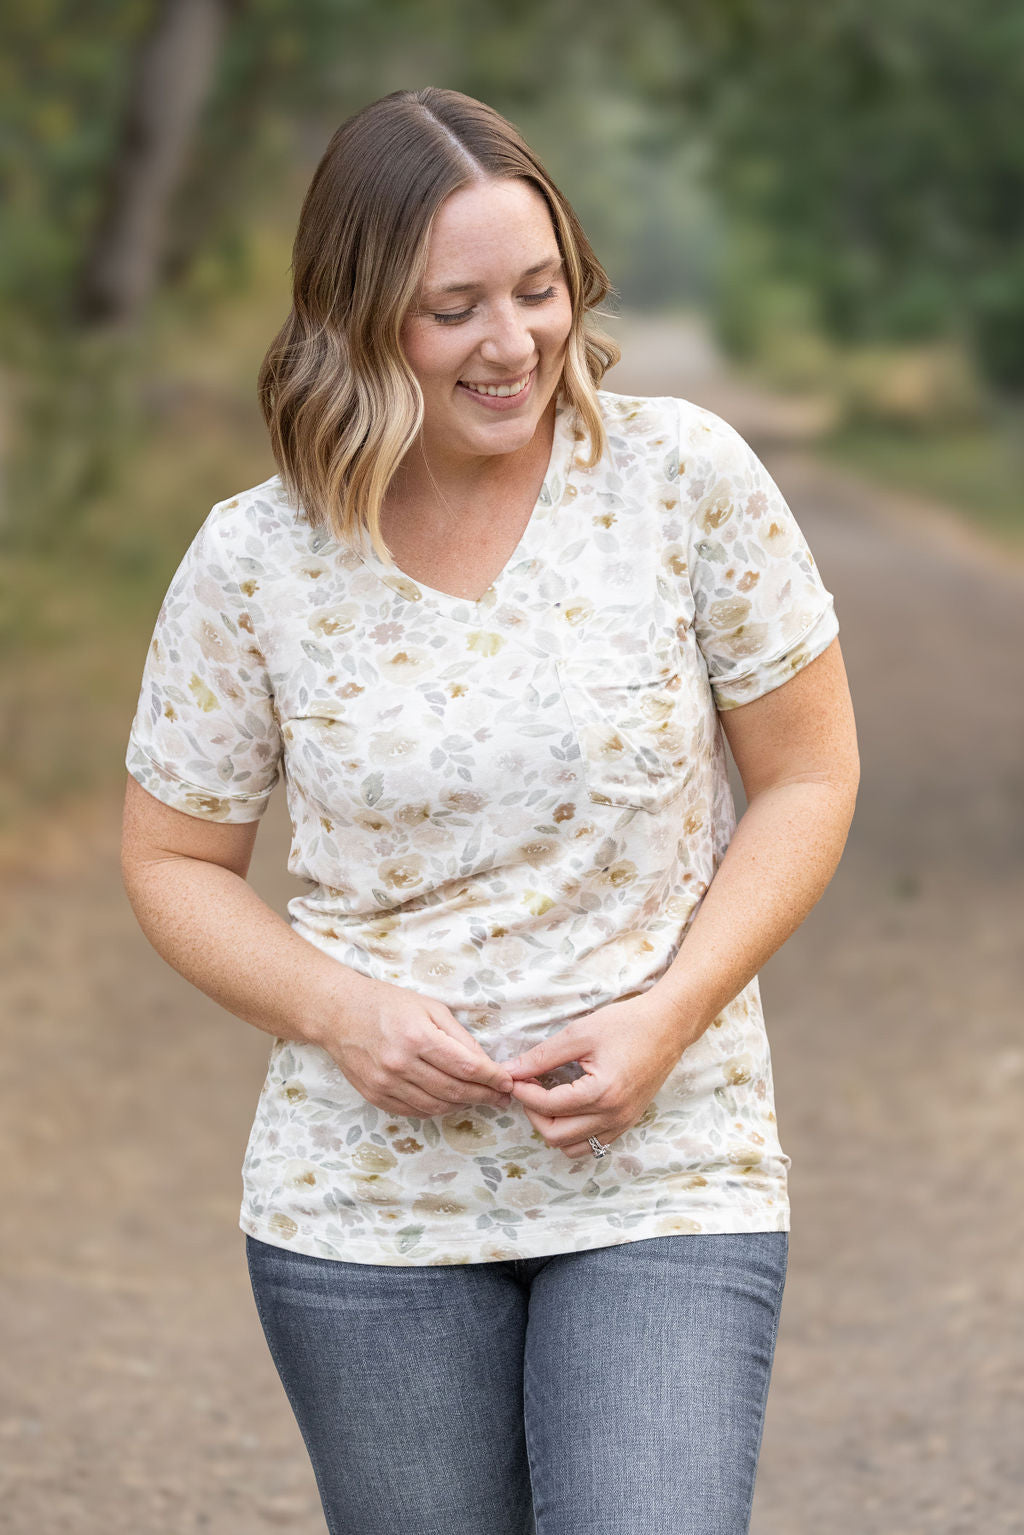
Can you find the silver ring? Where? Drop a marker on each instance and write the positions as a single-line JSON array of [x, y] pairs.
[[596, 1147]]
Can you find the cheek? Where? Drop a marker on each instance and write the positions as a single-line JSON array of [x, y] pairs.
[[432, 355], [558, 325]]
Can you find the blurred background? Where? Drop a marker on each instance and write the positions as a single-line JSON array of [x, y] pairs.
[[814, 220]]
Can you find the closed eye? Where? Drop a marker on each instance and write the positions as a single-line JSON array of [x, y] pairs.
[[464, 314]]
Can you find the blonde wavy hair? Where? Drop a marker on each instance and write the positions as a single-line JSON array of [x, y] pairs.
[[340, 400]]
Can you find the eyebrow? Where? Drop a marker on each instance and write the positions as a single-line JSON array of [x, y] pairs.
[[471, 287]]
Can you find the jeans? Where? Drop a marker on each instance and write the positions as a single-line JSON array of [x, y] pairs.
[[620, 1389]]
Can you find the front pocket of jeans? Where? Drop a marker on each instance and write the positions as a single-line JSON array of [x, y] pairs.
[[631, 729]]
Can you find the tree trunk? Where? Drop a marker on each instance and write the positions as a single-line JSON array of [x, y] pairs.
[[171, 78]]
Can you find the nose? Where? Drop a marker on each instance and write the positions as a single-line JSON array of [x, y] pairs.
[[509, 344]]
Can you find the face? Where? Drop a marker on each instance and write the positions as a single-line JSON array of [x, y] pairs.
[[493, 309]]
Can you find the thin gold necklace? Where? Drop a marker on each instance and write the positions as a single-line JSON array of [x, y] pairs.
[[433, 482], [451, 514]]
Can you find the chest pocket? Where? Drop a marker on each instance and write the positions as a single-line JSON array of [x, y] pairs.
[[633, 717]]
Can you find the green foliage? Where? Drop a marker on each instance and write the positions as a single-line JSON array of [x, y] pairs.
[[878, 147], [881, 148], [826, 179], [846, 168], [62, 84]]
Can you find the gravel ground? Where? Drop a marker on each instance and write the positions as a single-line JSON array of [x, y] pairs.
[[137, 1392]]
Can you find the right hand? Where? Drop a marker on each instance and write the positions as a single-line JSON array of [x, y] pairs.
[[407, 1055]]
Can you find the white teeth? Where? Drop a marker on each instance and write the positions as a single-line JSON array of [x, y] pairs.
[[501, 390]]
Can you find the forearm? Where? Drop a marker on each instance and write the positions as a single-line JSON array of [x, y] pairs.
[[213, 928], [782, 855]]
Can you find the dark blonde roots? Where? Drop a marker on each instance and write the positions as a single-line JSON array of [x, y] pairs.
[[341, 403]]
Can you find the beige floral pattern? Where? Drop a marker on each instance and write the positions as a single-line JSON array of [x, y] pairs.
[[513, 805]]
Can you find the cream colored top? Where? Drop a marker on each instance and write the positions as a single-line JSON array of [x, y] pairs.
[[513, 805]]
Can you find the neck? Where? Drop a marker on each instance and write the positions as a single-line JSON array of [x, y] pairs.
[[428, 473]]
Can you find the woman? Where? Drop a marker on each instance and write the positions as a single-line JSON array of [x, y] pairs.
[[515, 1205]]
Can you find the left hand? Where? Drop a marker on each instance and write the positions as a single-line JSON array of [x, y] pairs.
[[626, 1049]]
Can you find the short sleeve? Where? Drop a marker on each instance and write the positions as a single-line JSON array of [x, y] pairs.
[[761, 609], [205, 736]]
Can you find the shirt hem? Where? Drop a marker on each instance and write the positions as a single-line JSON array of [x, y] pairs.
[[182, 794], [590, 1235]]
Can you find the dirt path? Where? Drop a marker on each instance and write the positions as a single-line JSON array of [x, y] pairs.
[[138, 1395]]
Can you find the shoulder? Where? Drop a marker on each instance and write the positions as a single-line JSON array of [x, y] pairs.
[[255, 532], [249, 542], [260, 513], [667, 424], [637, 417]]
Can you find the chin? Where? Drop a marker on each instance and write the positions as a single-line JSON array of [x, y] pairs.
[[510, 425], [514, 434]]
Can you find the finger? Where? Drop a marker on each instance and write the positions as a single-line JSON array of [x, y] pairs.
[[561, 1134], [571, 1098], [452, 1090], [470, 1054], [465, 1061], [582, 1149], [413, 1105], [559, 1050]]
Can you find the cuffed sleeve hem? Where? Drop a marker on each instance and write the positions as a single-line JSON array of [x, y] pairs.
[[194, 799], [743, 687]]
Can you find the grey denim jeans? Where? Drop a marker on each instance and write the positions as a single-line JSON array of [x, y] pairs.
[[621, 1389]]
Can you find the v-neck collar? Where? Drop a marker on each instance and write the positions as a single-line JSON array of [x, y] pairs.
[[466, 609]]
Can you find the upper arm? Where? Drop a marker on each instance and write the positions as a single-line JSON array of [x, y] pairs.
[[153, 831], [762, 617], [804, 729], [204, 748]]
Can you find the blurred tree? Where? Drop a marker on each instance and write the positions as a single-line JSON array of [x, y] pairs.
[[878, 149], [874, 151], [169, 79], [853, 166]]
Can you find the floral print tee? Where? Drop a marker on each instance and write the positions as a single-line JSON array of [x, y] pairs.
[[514, 805]]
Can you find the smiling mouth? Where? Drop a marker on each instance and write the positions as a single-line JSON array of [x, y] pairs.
[[501, 391]]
